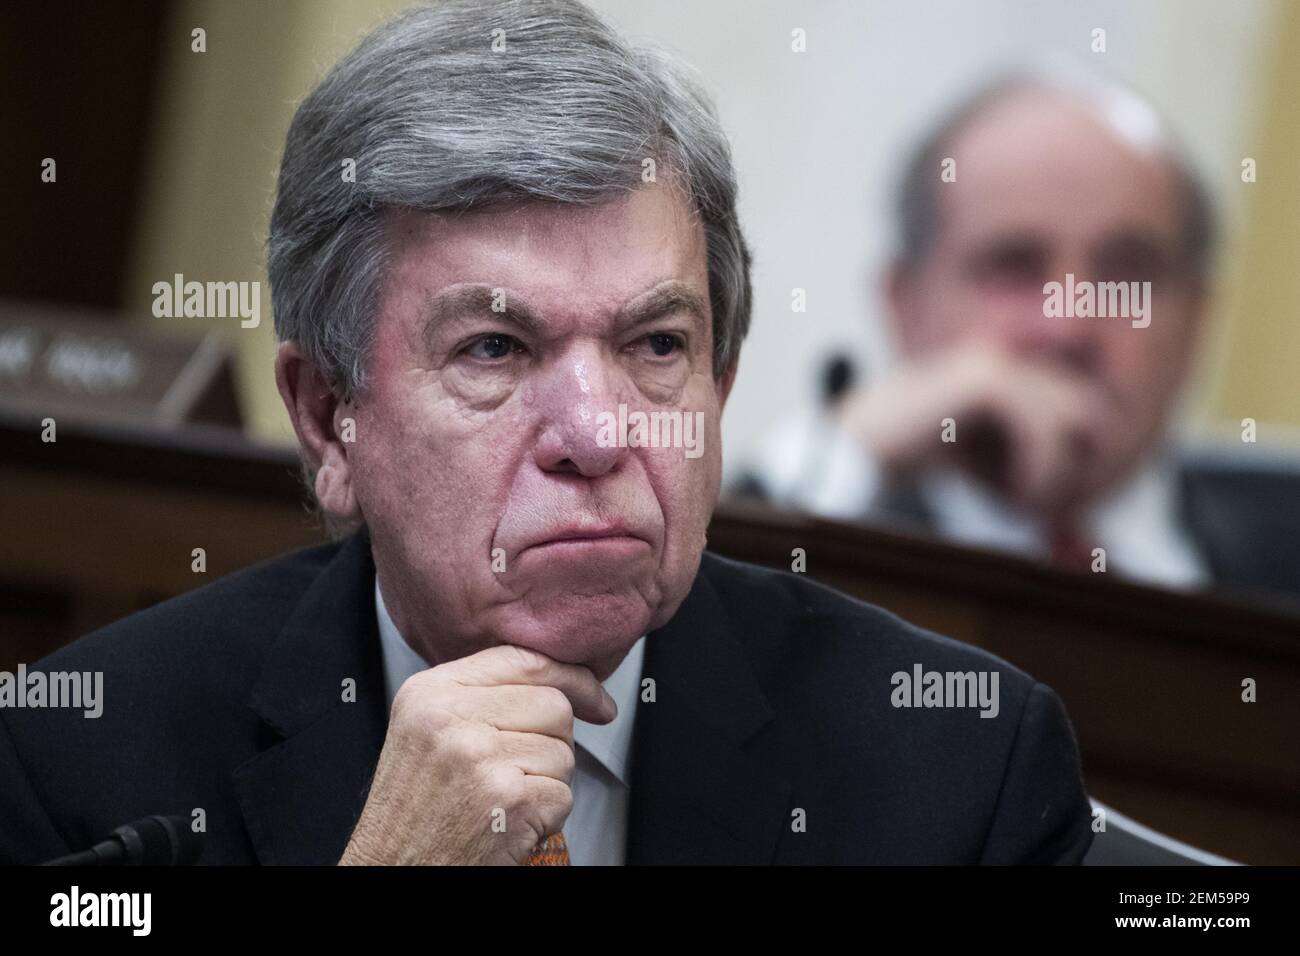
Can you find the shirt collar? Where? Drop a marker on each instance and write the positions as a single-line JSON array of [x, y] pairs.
[[609, 743], [1138, 523]]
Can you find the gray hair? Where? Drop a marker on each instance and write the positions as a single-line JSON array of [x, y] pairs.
[[917, 202], [436, 119]]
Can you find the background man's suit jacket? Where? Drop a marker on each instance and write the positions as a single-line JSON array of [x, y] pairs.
[[772, 696]]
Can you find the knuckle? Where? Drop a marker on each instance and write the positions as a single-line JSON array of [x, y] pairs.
[[407, 699], [434, 720], [418, 702], [528, 662], [507, 784], [559, 801], [467, 746], [555, 702], [568, 759]]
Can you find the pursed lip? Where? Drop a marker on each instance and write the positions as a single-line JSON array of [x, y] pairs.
[[579, 534]]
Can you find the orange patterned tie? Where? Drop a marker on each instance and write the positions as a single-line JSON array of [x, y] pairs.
[[552, 851]]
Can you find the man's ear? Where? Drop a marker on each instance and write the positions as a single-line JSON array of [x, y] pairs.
[[318, 420], [1198, 308], [900, 293], [724, 384]]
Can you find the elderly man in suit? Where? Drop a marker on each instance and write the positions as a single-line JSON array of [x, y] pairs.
[[521, 652], [1046, 298]]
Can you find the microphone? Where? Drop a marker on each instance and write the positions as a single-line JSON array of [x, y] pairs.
[[838, 375], [153, 841]]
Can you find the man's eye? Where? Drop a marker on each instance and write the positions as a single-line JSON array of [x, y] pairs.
[[492, 347], [663, 343], [1015, 269], [1010, 265]]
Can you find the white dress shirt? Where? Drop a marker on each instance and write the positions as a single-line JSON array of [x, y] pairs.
[[811, 463], [596, 830]]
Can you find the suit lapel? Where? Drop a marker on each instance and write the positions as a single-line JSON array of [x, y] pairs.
[[302, 795], [697, 794]]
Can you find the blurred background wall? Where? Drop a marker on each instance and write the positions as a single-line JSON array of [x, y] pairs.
[[818, 137]]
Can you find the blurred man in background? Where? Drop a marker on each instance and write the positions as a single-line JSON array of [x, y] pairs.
[[1022, 417]]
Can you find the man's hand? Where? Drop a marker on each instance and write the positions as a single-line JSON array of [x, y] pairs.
[[484, 740], [1028, 430]]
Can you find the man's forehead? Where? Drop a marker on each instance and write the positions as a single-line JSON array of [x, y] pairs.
[[1031, 122], [552, 254], [1058, 216], [657, 214], [1048, 158]]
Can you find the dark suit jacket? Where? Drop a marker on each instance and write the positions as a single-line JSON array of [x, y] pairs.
[[772, 696], [1244, 514]]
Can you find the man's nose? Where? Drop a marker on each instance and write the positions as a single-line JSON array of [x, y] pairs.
[[1069, 341], [1066, 340], [578, 402]]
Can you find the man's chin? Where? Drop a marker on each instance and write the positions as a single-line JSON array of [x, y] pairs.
[[596, 631]]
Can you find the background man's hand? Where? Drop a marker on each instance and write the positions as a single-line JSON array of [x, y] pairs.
[[468, 741], [1026, 429]]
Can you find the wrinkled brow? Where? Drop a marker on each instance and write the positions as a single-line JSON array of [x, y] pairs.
[[463, 301], [666, 298]]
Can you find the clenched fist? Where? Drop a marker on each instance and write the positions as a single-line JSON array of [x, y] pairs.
[[1035, 433], [484, 740]]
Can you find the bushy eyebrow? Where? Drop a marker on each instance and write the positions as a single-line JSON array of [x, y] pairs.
[[666, 298], [1138, 244], [989, 249], [461, 301]]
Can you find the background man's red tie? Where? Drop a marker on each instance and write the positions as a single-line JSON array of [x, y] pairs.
[[1070, 548]]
